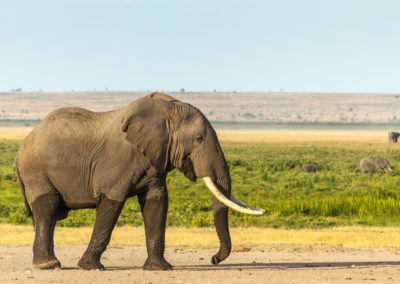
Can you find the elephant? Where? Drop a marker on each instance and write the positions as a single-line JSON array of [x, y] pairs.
[[310, 168], [393, 136], [75, 158], [373, 165]]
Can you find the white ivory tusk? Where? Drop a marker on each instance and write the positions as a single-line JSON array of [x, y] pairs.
[[233, 203]]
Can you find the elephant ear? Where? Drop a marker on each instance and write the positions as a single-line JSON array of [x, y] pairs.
[[145, 125]]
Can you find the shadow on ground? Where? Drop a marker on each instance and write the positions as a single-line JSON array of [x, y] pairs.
[[260, 266], [287, 265]]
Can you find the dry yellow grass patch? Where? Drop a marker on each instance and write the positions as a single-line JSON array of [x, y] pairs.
[[351, 237], [303, 136], [291, 136], [14, 132]]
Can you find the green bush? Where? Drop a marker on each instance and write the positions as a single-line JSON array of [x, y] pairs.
[[79, 218], [17, 217]]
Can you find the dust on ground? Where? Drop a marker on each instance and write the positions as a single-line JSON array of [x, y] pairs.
[[261, 264]]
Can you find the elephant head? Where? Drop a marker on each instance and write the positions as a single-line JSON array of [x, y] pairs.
[[172, 134]]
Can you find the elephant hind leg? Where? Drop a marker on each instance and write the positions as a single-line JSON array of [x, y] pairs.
[[45, 207], [107, 215]]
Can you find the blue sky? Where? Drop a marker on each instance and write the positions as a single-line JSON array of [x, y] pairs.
[[200, 45]]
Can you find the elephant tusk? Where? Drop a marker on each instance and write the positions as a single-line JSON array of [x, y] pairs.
[[233, 203]]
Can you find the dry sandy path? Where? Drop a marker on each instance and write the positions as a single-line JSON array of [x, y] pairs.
[[267, 264]]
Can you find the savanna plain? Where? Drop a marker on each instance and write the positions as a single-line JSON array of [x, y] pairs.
[[333, 226]]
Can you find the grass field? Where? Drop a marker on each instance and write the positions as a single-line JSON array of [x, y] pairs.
[[265, 170]]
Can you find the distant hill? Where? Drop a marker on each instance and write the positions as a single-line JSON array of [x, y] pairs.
[[261, 107]]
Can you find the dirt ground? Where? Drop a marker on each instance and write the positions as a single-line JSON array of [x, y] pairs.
[[262, 264]]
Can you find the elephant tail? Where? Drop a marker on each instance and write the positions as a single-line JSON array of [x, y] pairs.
[[22, 187]]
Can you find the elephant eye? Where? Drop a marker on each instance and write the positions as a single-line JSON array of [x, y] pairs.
[[199, 138]]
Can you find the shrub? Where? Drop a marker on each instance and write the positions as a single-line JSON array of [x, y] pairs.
[[17, 217]]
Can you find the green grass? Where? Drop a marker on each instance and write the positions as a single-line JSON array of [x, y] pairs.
[[264, 175]]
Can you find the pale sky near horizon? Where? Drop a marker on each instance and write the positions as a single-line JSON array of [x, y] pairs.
[[200, 45]]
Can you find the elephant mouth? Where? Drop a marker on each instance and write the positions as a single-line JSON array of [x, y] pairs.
[[231, 202], [187, 169]]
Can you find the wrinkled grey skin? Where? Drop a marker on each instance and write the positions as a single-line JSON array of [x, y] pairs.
[[75, 158], [310, 168], [393, 137], [373, 165]]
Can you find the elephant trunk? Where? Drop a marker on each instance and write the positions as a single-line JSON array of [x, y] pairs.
[[220, 213], [212, 167], [221, 187], [221, 202]]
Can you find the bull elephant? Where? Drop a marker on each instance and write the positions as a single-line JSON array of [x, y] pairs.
[[373, 165], [75, 158], [393, 137]]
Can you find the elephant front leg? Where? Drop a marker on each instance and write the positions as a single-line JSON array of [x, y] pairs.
[[154, 206], [107, 215]]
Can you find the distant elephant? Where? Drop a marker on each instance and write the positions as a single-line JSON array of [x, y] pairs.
[[393, 137], [75, 158], [373, 165], [310, 168]]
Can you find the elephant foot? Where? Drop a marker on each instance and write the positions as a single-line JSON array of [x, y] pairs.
[[52, 264], [157, 264], [90, 264]]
